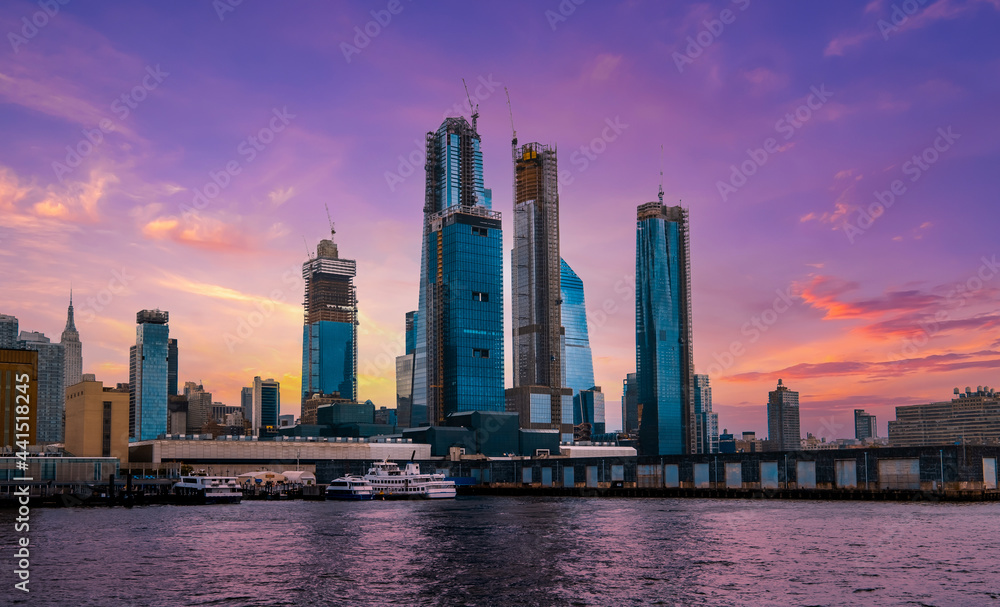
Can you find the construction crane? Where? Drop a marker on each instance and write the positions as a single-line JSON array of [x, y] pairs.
[[513, 133], [474, 110], [308, 251], [330, 219]]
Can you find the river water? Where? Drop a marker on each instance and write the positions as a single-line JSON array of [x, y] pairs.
[[513, 551]]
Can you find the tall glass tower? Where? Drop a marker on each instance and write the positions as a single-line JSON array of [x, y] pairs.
[[266, 404], [147, 411], [663, 348], [458, 355], [536, 306], [330, 331]]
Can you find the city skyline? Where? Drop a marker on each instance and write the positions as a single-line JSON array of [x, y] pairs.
[[788, 277]]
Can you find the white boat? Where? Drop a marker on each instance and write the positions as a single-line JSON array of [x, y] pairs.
[[206, 490], [349, 488], [389, 482]]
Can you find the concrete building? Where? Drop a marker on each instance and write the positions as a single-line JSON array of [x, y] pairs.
[[148, 375], [663, 330], [51, 392], [308, 415], [199, 409], [8, 331], [971, 418], [97, 421], [706, 422], [783, 431], [72, 349], [536, 303], [864, 425], [18, 377]]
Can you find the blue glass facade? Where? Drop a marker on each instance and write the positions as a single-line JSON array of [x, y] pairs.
[[588, 408], [330, 366], [458, 327], [663, 332], [577, 358], [270, 404], [148, 381]]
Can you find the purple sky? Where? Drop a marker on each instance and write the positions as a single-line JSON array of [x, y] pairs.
[[779, 123]]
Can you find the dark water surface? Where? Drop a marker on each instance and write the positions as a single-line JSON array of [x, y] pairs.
[[513, 551]]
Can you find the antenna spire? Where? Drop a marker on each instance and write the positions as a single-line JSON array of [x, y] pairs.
[[475, 109], [661, 174]]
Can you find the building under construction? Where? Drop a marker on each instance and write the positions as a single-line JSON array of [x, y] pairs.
[[330, 331], [538, 396], [458, 353]]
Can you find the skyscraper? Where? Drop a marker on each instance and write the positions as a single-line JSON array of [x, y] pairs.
[[536, 306], [864, 425], [246, 402], [578, 362], [147, 414], [8, 331], [51, 391], [706, 422], [588, 408], [199, 407], [172, 367], [458, 355], [630, 404], [330, 332], [664, 352], [404, 373], [783, 419], [266, 404], [72, 349]]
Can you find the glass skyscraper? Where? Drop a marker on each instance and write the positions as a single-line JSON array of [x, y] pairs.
[[330, 331], [458, 354], [266, 404], [147, 411], [630, 404], [664, 361], [579, 362]]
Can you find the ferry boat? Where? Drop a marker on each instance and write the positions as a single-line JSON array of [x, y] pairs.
[[389, 482], [206, 490], [349, 488]]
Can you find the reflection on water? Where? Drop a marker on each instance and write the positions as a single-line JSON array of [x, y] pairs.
[[516, 551]]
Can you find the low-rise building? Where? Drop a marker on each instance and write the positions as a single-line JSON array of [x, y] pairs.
[[97, 420]]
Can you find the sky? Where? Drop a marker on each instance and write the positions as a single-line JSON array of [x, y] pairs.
[[839, 161]]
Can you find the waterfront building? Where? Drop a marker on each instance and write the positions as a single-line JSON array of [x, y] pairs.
[[18, 367], [630, 405], [707, 422], [536, 298], [588, 408], [97, 420], [663, 336], [177, 410], [171, 366], [266, 404], [971, 418], [8, 331], [51, 390], [246, 402], [330, 331], [307, 417], [864, 425], [404, 372], [148, 375], [783, 431], [199, 409], [72, 349], [458, 353], [578, 363]]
